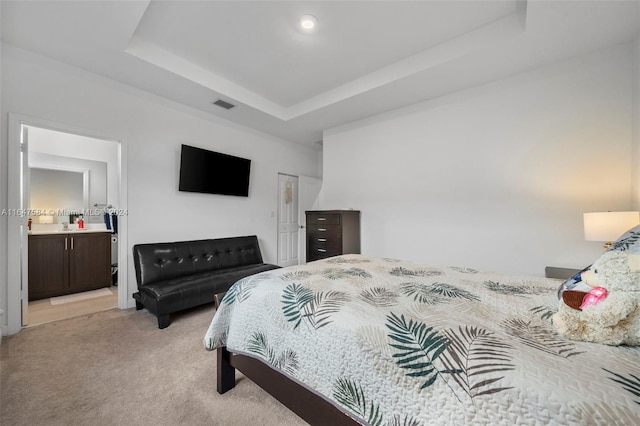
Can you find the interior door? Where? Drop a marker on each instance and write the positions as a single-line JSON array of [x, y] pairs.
[[288, 227], [308, 192]]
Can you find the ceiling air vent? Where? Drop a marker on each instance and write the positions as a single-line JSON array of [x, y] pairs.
[[223, 104]]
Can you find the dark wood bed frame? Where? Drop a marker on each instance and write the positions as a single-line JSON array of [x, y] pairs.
[[311, 407]]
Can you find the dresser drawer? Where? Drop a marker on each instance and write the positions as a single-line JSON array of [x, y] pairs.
[[324, 245], [319, 251], [324, 231], [323, 219], [320, 254]]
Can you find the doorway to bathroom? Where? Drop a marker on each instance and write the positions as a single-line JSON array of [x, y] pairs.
[[64, 174]]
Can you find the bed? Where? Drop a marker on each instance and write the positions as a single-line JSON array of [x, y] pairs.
[[360, 340]]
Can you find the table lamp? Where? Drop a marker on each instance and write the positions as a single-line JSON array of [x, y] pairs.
[[608, 226]]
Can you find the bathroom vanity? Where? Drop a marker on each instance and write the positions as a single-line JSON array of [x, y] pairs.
[[68, 262]]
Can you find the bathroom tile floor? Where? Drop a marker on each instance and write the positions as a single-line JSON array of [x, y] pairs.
[[43, 311]]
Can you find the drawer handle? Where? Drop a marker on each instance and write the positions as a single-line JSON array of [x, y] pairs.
[[322, 250], [322, 218], [321, 229], [322, 239]]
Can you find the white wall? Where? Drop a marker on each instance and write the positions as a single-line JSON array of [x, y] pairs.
[[635, 180], [154, 129], [496, 177]]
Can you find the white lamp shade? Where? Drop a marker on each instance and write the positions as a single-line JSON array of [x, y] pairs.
[[46, 219], [608, 226]]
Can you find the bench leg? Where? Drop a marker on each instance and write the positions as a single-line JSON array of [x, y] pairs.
[[163, 321], [139, 306], [226, 374]]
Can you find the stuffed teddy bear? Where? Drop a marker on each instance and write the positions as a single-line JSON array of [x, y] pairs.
[[605, 306]]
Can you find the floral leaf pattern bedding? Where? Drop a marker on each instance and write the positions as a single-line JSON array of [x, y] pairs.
[[397, 343]]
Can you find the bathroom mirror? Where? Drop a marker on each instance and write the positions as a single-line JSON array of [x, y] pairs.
[[59, 192], [67, 185]]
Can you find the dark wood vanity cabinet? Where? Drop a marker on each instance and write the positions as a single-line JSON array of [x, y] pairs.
[[62, 264], [48, 266], [332, 233], [90, 261]]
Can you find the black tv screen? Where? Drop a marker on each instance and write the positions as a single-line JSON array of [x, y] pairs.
[[212, 172]]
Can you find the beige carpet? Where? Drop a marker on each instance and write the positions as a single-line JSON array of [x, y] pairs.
[[117, 368]]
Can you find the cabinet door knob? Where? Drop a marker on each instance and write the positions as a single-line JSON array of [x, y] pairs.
[[71, 243], [65, 243]]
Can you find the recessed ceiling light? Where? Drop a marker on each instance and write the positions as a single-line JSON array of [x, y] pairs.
[[308, 23]]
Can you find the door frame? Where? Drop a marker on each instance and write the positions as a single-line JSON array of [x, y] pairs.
[[16, 251]]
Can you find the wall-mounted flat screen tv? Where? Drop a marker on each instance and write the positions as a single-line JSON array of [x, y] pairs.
[[212, 172]]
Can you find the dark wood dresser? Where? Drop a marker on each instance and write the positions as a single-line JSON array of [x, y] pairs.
[[332, 233]]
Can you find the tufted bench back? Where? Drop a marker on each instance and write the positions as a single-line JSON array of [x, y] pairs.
[[163, 261]]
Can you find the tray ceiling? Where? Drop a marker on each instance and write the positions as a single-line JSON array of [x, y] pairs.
[[364, 58]]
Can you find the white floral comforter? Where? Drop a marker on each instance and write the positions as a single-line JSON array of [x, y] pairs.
[[397, 343]]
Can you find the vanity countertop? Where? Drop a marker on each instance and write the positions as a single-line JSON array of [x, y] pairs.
[[69, 231]]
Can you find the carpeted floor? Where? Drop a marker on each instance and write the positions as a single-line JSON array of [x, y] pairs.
[[117, 368]]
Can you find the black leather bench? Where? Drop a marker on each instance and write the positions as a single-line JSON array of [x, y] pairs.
[[181, 275]]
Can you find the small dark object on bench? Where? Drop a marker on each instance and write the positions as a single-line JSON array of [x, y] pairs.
[[181, 275]]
